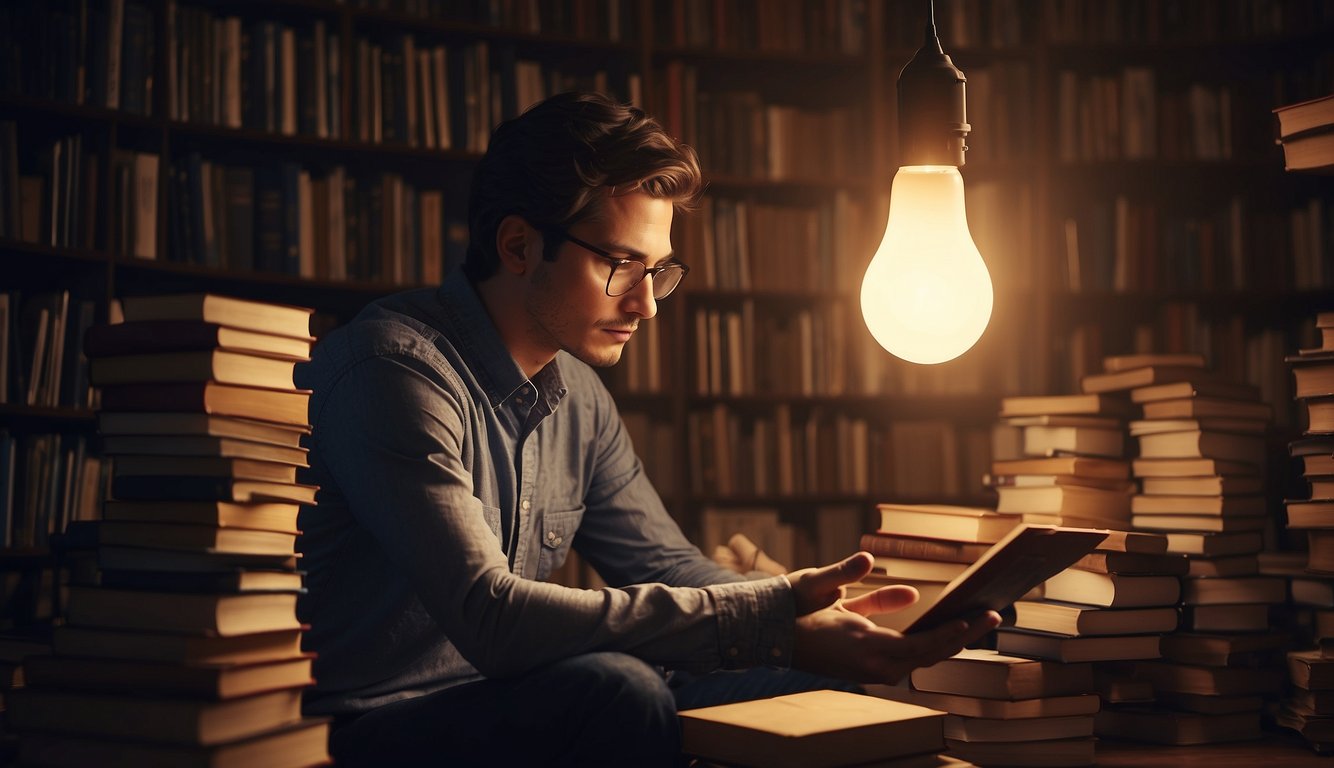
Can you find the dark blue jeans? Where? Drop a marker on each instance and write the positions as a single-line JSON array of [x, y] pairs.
[[591, 710]]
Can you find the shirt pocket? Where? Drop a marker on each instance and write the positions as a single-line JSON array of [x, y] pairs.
[[492, 517], [558, 530]]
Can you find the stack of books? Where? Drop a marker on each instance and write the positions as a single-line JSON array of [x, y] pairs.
[[1006, 710], [1200, 466], [1306, 133], [926, 546], [1309, 706], [188, 651], [816, 729]]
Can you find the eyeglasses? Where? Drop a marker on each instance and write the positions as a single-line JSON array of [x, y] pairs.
[[627, 273]]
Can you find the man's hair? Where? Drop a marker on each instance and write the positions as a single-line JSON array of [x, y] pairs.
[[553, 165]]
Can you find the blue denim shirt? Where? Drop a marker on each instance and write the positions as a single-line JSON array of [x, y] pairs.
[[451, 485]]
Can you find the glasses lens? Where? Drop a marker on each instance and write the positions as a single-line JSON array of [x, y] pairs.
[[666, 281], [624, 276]]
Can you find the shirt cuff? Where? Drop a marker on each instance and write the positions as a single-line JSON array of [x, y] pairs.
[[756, 623]]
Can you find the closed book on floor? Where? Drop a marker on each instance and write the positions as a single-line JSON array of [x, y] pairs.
[[1159, 426], [298, 745], [180, 612], [1232, 565], [1160, 726], [1207, 408], [1240, 589], [1144, 376], [1046, 481], [259, 316], [1050, 405], [176, 648], [209, 681], [917, 570], [1222, 650], [1076, 466], [1247, 449], [1214, 544], [1111, 590], [236, 368], [809, 730], [1199, 523], [968, 524], [269, 516], [1073, 619], [1196, 467], [1310, 671], [198, 425], [204, 466], [918, 548], [1045, 645], [991, 675], [1248, 617], [1133, 563], [1210, 681], [1223, 506], [184, 561], [1095, 503], [1203, 388], [997, 709], [156, 336], [163, 488], [233, 581], [1212, 485], [269, 405], [1310, 513], [150, 718], [216, 447], [201, 538], [1033, 754], [1050, 441], [1030, 729]]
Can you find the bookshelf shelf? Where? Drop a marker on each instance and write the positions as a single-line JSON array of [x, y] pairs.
[[21, 252], [782, 59], [232, 138], [16, 416]]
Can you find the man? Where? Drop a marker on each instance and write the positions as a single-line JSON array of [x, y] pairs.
[[463, 445]]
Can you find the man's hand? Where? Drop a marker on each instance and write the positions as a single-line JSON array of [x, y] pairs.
[[834, 637], [743, 556]]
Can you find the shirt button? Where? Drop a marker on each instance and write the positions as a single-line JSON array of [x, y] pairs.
[[556, 540], [525, 505]]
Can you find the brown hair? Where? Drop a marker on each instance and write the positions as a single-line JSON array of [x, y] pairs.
[[555, 162]]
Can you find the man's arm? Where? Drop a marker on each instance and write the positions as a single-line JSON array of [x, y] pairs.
[[400, 469]]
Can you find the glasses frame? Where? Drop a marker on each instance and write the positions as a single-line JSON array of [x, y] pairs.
[[617, 263]]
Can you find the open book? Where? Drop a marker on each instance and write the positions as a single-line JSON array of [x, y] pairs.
[[1026, 557]]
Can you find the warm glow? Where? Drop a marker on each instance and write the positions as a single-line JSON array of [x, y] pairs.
[[927, 295]]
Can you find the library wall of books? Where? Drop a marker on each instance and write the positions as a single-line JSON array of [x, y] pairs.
[[1149, 184]]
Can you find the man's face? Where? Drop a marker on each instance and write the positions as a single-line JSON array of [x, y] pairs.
[[567, 299]]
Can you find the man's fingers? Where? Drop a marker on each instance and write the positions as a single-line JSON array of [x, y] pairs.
[[884, 600], [745, 549], [816, 588], [946, 640]]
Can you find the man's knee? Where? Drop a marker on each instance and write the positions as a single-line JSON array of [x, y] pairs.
[[623, 680]]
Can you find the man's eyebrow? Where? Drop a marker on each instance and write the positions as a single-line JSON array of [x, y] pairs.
[[639, 255]]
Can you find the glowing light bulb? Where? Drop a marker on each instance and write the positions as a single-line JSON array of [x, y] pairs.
[[927, 294]]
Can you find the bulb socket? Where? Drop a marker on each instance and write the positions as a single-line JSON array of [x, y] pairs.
[[933, 114]]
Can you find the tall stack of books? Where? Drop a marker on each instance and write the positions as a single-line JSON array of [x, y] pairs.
[[1200, 465], [189, 649], [1309, 706], [1006, 710], [926, 546]]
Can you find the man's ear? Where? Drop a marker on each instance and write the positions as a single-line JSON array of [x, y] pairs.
[[515, 239]]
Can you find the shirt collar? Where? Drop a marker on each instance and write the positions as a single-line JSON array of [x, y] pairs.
[[486, 353]]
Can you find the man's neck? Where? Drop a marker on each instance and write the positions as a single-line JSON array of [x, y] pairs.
[[505, 308]]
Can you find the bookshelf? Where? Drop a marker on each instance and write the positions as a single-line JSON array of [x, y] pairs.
[[793, 113]]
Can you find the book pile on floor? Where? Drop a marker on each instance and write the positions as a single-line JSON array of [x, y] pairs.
[[926, 546], [188, 652], [1308, 707], [1306, 133], [1007, 710], [817, 729], [1200, 466]]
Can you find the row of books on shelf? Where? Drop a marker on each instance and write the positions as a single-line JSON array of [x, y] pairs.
[[41, 349], [84, 52], [49, 480], [748, 245], [1073, 22], [616, 21], [738, 132], [781, 452], [1129, 117], [962, 24], [1130, 245], [786, 26], [49, 194]]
